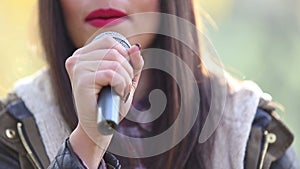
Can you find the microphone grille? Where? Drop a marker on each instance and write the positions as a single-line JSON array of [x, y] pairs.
[[117, 36]]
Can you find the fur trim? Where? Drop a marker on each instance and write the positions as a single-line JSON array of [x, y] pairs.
[[225, 148], [227, 145], [37, 94]]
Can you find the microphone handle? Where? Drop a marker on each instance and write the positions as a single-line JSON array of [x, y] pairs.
[[108, 110], [108, 103]]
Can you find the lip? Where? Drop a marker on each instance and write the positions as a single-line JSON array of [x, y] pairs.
[[105, 17]]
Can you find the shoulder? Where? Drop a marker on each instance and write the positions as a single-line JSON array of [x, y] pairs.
[[270, 140], [36, 91], [265, 124], [35, 87], [241, 101], [12, 151]]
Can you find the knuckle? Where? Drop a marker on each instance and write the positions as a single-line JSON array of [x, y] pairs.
[[108, 74], [70, 62], [114, 52], [78, 51], [115, 65]]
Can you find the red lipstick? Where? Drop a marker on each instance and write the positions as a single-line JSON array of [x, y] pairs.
[[105, 17]]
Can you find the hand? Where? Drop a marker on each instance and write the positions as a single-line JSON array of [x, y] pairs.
[[101, 63]]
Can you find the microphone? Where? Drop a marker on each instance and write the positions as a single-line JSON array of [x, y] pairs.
[[108, 103]]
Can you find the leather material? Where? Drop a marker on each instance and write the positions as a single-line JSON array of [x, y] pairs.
[[280, 152], [13, 154], [285, 138], [66, 159], [111, 161], [18, 110], [254, 144], [287, 161]]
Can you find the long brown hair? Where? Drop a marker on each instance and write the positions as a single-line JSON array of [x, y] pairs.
[[58, 47]]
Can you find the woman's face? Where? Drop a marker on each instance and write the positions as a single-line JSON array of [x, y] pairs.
[[85, 17]]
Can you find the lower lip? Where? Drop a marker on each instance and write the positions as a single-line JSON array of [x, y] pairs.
[[106, 22]]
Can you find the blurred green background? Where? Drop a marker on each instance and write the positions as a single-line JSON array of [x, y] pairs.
[[256, 40], [260, 41]]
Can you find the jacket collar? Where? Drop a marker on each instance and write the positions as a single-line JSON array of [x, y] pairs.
[[37, 93], [226, 146]]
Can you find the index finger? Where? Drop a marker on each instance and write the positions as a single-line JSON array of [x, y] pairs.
[[105, 42]]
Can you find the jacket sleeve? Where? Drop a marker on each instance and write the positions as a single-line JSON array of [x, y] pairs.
[[287, 161], [66, 158], [8, 158]]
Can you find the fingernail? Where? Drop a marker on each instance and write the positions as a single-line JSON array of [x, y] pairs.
[[139, 46]]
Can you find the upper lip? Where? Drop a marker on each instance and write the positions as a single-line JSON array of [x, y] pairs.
[[105, 14]]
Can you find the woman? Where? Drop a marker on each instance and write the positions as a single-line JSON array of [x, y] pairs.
[[63, 98]]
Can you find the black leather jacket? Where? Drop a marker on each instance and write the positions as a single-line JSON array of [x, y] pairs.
[[21, 145]]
